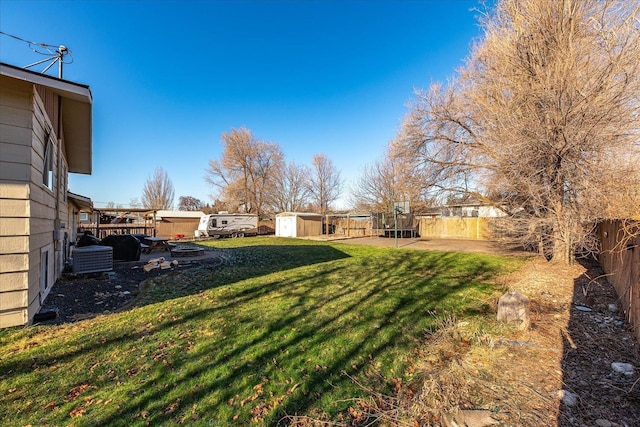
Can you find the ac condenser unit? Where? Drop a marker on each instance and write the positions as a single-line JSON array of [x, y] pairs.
[[92, 259]]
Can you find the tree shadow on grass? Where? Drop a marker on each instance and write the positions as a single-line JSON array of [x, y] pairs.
[[274, 345], [235, 265]]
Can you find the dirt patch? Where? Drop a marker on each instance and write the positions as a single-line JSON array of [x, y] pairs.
[[557, 373], [83, 296]]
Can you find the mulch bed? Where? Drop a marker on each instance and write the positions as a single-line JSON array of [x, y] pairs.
[[599, 338], [76, 297]]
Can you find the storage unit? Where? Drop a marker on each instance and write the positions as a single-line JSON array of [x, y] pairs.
[[92, 259], [298, 224]]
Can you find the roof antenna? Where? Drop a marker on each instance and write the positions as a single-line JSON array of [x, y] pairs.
[[52, 57], [53, 54]]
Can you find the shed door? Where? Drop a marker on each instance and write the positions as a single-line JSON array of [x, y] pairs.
[[285, 226]]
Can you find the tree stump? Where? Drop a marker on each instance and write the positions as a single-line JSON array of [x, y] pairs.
[[514, 307]]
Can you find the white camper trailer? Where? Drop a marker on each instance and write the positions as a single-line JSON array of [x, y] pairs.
[[224, 224]]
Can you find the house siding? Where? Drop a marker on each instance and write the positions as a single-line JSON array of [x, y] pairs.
[[15, 173], [15, 281], [34, 211], [27, 206], [13, 226], [42, 206]]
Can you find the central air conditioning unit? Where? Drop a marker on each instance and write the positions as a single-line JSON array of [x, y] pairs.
[[92, 259]]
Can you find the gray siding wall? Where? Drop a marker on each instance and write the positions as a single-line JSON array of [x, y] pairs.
[[31, 254]]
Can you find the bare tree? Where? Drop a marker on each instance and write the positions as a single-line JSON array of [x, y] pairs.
[[189, 203], [388, 180], [291, 189], [246, 172], [158, 192], [325, 184], [543, 119]]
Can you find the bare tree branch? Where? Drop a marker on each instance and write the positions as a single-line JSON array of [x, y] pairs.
[[543, 120], [247, 171], [158, 192]]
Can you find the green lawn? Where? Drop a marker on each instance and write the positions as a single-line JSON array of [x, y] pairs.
[[283, 327]]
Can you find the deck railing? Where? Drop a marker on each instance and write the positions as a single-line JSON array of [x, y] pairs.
[[104, 230]]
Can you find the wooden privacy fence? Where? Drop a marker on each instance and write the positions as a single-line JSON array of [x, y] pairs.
[[620, 260], [456, 228], [352, 227], [177, 228]]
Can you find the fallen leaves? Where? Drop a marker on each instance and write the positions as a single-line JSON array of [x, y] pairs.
[[77, 412], [76, 391], [170, 409]]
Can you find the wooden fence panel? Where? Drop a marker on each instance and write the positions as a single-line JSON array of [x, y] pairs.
[[620, 260], [175, 229], [353, 228], [455, 228]]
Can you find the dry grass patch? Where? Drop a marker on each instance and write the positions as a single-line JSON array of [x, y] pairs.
[[473, 363], [483, 365]]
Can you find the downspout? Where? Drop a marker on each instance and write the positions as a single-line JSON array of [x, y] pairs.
[[98, 222], [58, 181]]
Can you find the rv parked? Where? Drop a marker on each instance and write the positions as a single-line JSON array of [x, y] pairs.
[[224, 224]]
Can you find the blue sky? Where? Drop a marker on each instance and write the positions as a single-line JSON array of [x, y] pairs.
[[169, 77]]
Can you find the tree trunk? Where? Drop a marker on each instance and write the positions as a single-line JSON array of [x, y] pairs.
[[561, 248]]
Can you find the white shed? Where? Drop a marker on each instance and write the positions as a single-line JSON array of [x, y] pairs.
[[298, 224]]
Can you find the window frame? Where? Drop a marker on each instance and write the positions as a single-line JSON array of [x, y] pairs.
[[48, 160]]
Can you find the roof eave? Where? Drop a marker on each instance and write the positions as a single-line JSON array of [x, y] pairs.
[[76, 114], [82, 202]]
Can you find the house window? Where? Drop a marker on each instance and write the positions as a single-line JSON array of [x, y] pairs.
[[47, 170], [84, 216], [44, 270], [47, 270]]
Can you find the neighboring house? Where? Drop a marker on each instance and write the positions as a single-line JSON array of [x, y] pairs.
[[465, 210], [469, 220], [45, 133], [80, 211]]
